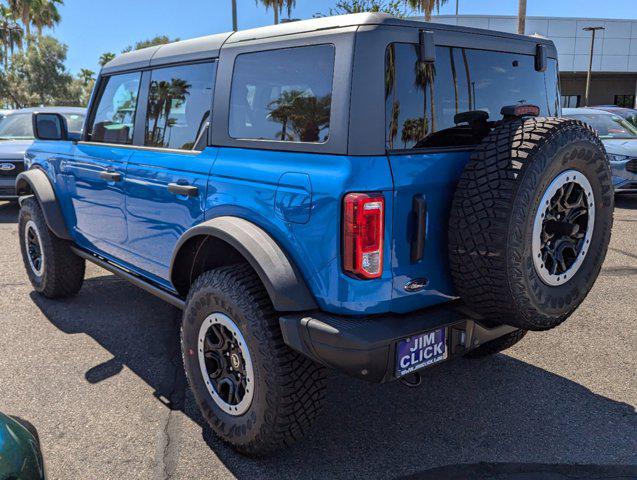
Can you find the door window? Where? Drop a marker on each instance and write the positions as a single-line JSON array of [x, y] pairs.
[[283, 95], [449, 102], [115, 113], [179, 105]]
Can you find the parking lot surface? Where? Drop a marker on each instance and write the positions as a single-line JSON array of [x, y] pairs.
[[100, 377]]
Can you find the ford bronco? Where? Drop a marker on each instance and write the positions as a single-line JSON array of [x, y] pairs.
[[361, 193]]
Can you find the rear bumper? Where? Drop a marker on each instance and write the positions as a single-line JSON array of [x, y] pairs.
[[366, 347]]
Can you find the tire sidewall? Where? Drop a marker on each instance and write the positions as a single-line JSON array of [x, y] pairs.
[[30, 212], [578, 149], [240, 429]]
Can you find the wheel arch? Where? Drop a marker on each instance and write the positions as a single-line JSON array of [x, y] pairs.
[[226, 240], [36, 182]]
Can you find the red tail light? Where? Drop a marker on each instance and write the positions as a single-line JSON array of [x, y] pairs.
[[363, 232]]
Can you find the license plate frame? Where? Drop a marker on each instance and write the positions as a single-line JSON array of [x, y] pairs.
[[421, 351]]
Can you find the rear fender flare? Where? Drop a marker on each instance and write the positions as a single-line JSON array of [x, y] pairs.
[[282, 280], [36, 182]]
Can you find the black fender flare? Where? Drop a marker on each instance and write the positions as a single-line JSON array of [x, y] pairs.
[[282, 280], [36, 182]]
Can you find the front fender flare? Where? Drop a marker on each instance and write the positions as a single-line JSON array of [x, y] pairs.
[[36, 182], [282, 280]]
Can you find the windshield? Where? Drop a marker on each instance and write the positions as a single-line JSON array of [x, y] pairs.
[[607, 126], [19, 126]]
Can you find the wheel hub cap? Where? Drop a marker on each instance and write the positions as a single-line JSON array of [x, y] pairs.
[[563, 227], [225, 363], [33, 244]]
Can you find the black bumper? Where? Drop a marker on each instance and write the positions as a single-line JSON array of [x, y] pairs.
[[365, 347]]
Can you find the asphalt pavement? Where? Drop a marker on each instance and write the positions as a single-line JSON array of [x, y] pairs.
[[100, 377]]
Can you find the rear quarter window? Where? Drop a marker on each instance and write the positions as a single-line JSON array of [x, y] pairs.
[[283, 95], [427, 105]]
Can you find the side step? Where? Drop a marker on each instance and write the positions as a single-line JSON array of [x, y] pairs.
[[131, 277]]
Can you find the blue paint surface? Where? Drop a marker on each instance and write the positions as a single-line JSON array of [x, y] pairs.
[[295, 197]]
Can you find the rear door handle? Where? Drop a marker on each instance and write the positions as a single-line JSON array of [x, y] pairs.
[[419, 207], [187, 190], [111, 176]]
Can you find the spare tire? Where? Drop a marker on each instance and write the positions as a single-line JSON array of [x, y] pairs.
[[531, 221]]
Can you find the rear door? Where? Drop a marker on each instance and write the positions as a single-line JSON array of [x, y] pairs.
[[95, 174], [166, 177], [435, 115]]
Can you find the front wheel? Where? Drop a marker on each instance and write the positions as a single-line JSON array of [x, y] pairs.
[[254, 391], [53, 269]]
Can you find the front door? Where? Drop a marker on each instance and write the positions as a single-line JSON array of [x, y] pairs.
[[166, 179], [96, 172]]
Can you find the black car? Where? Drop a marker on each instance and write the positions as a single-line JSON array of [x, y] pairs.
[[16, 135]]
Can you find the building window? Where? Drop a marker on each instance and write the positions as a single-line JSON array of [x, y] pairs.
[[570, 101], [626, 101]]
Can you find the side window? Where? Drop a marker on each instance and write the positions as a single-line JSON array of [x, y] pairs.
[[453, 101], [115, 112], [283, 95], [179, 103]]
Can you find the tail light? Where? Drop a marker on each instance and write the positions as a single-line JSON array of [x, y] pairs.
[[363, 232]]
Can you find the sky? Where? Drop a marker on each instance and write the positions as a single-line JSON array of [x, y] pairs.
[[92, 27]]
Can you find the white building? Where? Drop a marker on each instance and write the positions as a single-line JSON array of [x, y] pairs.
[[614, 79]]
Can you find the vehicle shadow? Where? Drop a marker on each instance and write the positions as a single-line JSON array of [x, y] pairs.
[[9, 212], [497, 409]]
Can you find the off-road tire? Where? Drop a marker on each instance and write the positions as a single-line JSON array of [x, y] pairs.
[[492, 217], [63, 271], [497, 345], [289, 388]]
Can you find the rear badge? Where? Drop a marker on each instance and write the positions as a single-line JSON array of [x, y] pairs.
[[416, 285], [7, 167]]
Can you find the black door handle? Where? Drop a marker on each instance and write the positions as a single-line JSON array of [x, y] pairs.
[[419, 206], [178, 189], [111, 176]]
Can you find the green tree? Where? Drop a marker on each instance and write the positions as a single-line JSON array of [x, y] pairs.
[[344, 7], [278, 6], [105, 58], [151, 42], [304, 114], [37, 76]]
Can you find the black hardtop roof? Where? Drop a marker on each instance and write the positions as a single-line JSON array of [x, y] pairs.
[[209, 46]]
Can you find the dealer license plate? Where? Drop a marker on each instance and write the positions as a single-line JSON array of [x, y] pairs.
[[420, 351]]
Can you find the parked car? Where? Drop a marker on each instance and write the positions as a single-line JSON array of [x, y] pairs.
[[628, 114], [16, 134], [20, 454], [359, 192], [620, 139]]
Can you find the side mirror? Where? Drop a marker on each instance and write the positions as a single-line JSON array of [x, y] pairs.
[[50, 126], [540, 57], [426, 46]]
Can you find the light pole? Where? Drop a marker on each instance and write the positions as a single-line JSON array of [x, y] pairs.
[[590, 61], [234, 15]]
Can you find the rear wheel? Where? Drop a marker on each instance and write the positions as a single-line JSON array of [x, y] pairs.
[[254, 391], [531, 221], [53, 269]]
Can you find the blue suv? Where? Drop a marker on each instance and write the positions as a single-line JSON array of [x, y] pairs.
[[361, 193]]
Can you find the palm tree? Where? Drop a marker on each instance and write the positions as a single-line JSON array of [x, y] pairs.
[[10, 34], [23, 9], [425, 75], [105, 58], [426, 6], [521, 17], [45, 14], [86, 76], [277, 6]]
